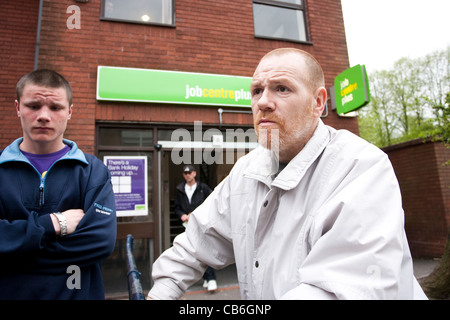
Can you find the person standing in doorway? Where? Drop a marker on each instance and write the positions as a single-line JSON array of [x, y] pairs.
[[190, 194]]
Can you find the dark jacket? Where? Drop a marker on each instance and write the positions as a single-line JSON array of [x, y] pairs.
[[181, 203], [34, 263]]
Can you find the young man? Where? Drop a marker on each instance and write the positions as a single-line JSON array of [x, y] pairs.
[[329, 225], [57, 208]]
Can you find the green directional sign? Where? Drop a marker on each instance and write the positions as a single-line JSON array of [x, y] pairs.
[[351, 89], [161, 86]]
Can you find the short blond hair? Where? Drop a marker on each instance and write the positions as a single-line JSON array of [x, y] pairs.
[[316, 78]]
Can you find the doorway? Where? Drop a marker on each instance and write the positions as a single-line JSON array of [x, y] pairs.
[[210, 174], [213, 158]]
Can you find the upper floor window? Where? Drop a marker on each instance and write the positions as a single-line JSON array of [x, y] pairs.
[[280, 19], [139, 11]]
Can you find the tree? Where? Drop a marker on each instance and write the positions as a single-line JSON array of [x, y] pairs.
[[376, 124], [440, 130], [406, 101], [437, 284], [404, 82], [436, 75]]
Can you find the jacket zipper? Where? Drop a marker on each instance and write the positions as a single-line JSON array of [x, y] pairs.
[[42, 183], [42, 178], [41, 192]]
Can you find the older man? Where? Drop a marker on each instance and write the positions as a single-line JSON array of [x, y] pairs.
[[314, 213]]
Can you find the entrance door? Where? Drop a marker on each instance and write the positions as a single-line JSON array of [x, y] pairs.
[[209, 172], [153, 233]]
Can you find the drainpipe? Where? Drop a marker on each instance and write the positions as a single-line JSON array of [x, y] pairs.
[[160, 239], [38, 36]]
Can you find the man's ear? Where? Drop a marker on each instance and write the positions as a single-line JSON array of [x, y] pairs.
[[17, 104], [70, 112], [320, 99]]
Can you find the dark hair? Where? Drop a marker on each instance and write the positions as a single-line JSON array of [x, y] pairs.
[[45, 78]]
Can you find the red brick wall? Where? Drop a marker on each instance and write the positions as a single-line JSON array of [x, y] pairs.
[[209, 37], [18, 25], [425, 185]]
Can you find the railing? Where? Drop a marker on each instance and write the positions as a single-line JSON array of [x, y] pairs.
[[135, 291]]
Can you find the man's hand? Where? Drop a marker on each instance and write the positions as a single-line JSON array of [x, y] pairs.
[[73, 218], [185, 217]]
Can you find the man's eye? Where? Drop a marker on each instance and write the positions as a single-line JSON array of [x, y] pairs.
[[283, 89], [256, 91]]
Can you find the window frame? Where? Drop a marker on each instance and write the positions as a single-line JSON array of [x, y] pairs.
[[103, 18], [286, 5]]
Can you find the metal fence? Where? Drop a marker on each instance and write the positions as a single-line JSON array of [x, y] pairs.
[[135, 291]]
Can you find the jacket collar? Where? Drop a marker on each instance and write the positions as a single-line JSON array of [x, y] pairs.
[[181, 185], [264, 164], [13, 153]]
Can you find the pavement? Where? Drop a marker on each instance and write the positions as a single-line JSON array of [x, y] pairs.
[[228, 288]]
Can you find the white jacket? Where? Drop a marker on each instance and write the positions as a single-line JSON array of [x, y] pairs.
[[330, 225]]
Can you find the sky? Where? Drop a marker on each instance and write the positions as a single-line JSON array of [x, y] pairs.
[[380, 32]]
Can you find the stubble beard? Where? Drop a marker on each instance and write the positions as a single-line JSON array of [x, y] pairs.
[[284, 144]]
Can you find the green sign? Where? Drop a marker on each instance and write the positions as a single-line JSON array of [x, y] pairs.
[[146, 85], [351, 89]]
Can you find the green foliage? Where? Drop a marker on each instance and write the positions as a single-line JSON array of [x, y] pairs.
[[408, 102], [442, 130]]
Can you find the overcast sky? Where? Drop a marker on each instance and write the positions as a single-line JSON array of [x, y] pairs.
[[379, 32]]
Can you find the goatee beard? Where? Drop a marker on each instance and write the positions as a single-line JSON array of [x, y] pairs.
[[269, 139]]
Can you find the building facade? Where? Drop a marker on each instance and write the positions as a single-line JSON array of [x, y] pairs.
[[222, 39]]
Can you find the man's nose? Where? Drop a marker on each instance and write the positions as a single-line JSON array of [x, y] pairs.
[[265, 102], [44, 114]]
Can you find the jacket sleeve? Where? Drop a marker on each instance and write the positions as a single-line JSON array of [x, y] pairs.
[[207, 191], [206, 242], [177, 204], [95, 236], [358, 247], [25, 235]]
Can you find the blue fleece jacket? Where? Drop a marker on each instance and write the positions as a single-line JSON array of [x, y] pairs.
[[34, 262]]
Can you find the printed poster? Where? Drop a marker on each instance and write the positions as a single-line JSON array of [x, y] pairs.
[[129, 181]]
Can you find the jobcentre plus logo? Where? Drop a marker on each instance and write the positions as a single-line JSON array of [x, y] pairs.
[[236, 95]]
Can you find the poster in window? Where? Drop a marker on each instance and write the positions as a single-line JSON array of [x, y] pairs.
[[130, 185]]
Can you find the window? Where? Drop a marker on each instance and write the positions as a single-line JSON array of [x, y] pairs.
[[139, 11], [285, 20], [125, 137]]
